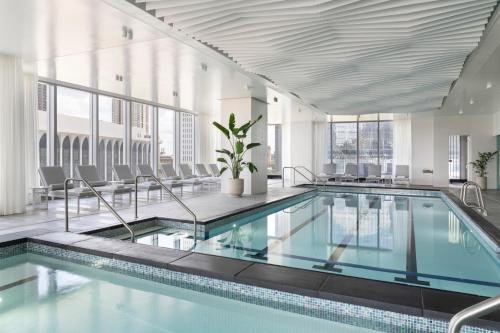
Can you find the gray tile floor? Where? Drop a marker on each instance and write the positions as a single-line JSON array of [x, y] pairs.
[[491, 200], [206, 205]]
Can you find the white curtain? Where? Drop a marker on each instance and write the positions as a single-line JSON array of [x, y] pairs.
[[401, 140], [319, 146], [30, 132], [12, 137]]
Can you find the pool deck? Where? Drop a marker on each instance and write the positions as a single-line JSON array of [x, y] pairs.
[[46, 228]]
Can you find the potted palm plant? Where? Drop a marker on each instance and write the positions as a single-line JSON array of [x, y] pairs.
[[480, 166], [233, 159]]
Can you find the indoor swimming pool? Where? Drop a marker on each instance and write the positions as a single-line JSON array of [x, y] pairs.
[[42, 294], [414, 240]]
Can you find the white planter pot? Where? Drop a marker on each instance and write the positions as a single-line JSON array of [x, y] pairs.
[[482, 182], [235, 187]]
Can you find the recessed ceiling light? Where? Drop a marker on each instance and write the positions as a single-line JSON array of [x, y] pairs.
[[460, 111], [471, 101], [488, 85]]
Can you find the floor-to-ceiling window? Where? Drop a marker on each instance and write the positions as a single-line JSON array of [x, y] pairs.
[[360, 140], [343, 143], [111, 134], [43, 121], [73, 127], [274, 155], [126, 132], [166, 136], [186, 137], [142, 120]]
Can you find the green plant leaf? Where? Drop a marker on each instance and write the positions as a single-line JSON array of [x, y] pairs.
[[239, 147], [252, 168], [252, 145], [222, 170], [224, 130], [225, 151], [222, 160], [232, 121]]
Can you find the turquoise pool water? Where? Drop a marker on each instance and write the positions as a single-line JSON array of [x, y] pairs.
[[40, 294], [403, 239]]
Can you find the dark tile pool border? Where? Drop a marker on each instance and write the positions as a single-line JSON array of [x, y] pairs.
[[407, 300], [245, 283]]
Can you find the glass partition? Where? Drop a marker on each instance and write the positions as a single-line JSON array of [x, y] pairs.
[[344, 145], [111, 135], [142, 119], [73, 126], [274, 150], [166, 136], [186, 137]]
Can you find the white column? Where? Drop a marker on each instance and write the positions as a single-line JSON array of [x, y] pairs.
[[245, 109]]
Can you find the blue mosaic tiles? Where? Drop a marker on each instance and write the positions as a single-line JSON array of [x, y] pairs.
[[356, 315]]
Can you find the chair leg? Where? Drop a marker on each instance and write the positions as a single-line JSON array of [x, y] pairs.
[[78, 205]]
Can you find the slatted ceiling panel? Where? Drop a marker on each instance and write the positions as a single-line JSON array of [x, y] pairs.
[[345, 56]]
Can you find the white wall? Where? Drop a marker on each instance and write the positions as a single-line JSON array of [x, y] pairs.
[[480, 130], [422, 150], [430, 134]]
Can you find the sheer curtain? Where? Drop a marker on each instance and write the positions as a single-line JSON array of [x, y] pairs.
[[12, 137], [401, 140], [319, 145]]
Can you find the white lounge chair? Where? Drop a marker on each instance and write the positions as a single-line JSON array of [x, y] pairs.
[[90, 174], [123, 173], [206, 177], [350, 173], [187, 173], [402, 175], [214, 169], [169, 173], [53, 178], [327, 172], [374, 173], [145, 170]]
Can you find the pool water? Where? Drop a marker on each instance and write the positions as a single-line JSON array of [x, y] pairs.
[[40, 294], [402, 239]]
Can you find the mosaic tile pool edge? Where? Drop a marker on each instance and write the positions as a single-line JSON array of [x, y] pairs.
[[330, 310]]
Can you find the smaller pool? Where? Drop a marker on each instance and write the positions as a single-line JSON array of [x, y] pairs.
[[41, 294]]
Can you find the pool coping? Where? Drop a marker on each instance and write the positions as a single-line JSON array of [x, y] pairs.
[[394, 297]]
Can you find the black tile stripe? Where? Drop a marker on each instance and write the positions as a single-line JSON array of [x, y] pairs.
[[18, 283]]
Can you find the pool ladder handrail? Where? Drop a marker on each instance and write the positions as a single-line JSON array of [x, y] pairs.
[[475, 311], [294, 168], [176, 198], [100, 198], [479, 197], [297, 208]]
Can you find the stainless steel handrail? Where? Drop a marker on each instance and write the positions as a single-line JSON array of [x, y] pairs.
[[179, 201], [313, 181], [297, 208], [474, 311], [479, 196], [99, 196]]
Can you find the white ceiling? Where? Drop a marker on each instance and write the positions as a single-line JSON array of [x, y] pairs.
[[479, 81], [344, 56], [81, 42]]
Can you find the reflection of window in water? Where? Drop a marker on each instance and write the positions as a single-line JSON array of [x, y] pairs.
[[453, 228]]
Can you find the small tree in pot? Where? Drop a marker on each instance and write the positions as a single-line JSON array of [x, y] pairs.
[[480, 166], [233, 159]]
